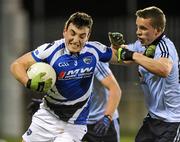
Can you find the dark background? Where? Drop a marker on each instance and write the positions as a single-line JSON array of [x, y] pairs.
[[47, 18], [97, 8], [26, 24]]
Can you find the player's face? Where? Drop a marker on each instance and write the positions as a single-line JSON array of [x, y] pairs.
[[75, 38], [146, 34]]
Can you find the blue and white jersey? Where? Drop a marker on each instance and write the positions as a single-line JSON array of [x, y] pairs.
[[162, 95], [100, 94], [70, 97]]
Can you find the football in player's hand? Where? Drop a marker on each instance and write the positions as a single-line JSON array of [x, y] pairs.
[[41, 67]]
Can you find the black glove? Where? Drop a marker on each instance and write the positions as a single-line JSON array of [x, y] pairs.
[[102, 126], [37, 83], [33, 106], [125, 54], [150, 51], [116, 38]]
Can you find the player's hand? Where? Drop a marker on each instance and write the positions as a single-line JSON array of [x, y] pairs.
[[33, 106], [116, 38], [150, 51], [102, 126], [125, 54], [39, 84]]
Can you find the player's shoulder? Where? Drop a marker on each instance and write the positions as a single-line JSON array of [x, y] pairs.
[[58, 43], [96, 45], [165, 44], [53, 44], [167, 41]]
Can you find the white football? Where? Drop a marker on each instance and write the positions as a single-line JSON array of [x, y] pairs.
[[42, 67]]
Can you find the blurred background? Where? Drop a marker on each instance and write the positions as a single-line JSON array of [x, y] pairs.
[[26, 24]]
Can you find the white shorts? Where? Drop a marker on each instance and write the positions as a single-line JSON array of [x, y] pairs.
[[46, 127]]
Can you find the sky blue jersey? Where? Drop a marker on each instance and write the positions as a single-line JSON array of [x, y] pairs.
[[100, 94], [70, 97], [162, 95]]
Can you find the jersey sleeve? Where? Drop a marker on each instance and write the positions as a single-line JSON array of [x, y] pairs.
[[164, 49], [104, 52], [102, 70], [136, 47], [42, 52]]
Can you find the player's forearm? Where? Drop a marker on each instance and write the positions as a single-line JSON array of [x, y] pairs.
[[19, 72], [160, 67], [114, 58], [113, 101]]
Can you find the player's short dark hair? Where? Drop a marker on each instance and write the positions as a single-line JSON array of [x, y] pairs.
[[80, 19], [155, 14]]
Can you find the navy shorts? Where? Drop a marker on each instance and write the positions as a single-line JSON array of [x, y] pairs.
[[111, 136], [154, 130]]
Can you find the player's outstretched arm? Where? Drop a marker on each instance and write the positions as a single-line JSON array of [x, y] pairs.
[[19, 69], [116, 39], [118, 46], [114, 90], [161, 66]]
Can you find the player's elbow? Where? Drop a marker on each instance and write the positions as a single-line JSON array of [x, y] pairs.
[[118, 94], [13, 66], [164, 72], [165, 67]]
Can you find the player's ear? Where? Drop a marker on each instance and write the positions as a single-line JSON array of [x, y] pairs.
[[64, 31], [158, 31], [88, 36]]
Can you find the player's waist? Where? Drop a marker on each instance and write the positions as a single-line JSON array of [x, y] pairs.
[[65, 112], [165, 117]]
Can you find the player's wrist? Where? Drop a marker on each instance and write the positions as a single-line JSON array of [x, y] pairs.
[[28, 84], [108, 116], [125, 54], [136, 56]]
